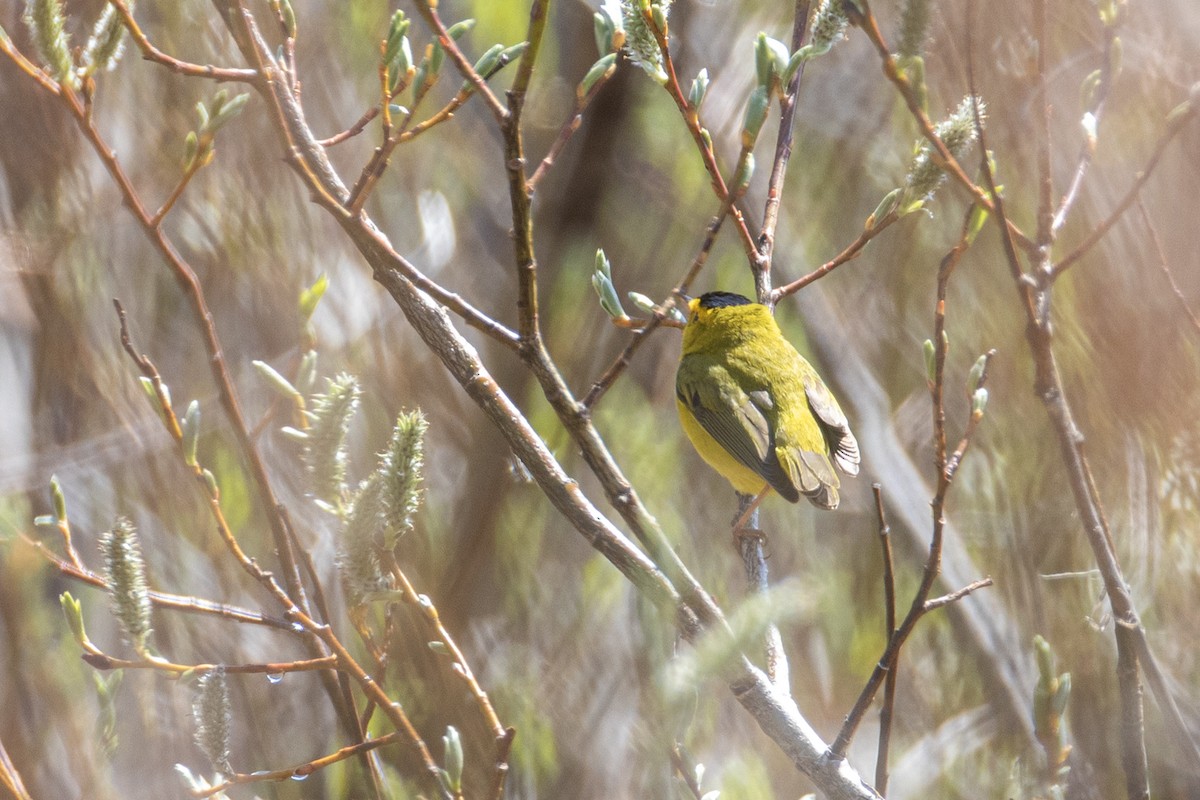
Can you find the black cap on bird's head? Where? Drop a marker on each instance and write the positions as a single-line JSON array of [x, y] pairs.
[[722, 299]]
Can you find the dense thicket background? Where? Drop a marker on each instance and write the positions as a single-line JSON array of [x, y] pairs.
[[558, 638]]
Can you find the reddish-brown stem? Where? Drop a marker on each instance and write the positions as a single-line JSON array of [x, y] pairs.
[[889, 608], [852, 251], [779, 165], [568, 130], [152, 53], [428, 10]]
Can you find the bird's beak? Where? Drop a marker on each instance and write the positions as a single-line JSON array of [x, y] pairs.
[[686, 298]]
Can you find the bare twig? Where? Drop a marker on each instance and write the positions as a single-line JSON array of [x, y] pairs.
[[10, 779], [889, 608], [779, 165], [945, 476], [301, 771], [152, 53], [1165, 268], [872, 229], [428, 10], [1175, 124]]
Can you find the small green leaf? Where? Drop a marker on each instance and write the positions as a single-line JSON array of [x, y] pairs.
[[608, 295], [454, 758], [396, 34], [603, 265], [745, 173], [762, 61], [310, 297], [886, 206], [756, 113], [698, 91], [456, 30], [642, 302], [604, 30], [486, 63], [979, 401], [976, 374], [601, 69], [60, 501], [930, 360], [191, 433], [229, 111], [73, 611], [277, 382]]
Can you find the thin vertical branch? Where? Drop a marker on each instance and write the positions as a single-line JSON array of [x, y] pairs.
[[889, 608], [779, 165]]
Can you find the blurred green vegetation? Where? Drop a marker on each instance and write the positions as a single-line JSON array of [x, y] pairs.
[[560, 641]]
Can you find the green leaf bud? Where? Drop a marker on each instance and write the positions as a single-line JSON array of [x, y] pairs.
[[457, 30], [979, 400], [73, 611], [643, 302], [275, 380], [486, 65], [191, 433], [976, 374], [397, 31], [603, 29], [698, 91], [603, 265], [311, 296], [930, 360], [601, 69], [59, 500], [454, 758], [756, 114], [608, 295], [886, 206], [745, 173]]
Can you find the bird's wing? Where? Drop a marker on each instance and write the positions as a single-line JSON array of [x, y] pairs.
[[834, 426], [741, 423]]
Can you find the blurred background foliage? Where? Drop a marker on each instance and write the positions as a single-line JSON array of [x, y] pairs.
[[571, 657]]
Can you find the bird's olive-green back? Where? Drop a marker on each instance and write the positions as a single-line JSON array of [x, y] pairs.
[[746, 386]]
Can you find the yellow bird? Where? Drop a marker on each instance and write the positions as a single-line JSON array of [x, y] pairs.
[[755, 409]]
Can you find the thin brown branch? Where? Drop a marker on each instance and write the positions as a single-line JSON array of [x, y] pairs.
[[1165, 268], [354, 130], [889, 608], [890, 659], [1087, 148], [28, 67], [957, 594], [944, 158], [872, 229], [1045, 211], [102, 661], [614, 370], [568, 129], [300, 771], [428, 10], [704, 144], [783, 154], [152, 53], [10, 778], [173, 602], [1175, 124]]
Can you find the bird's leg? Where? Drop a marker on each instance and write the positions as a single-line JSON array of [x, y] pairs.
[[747, 505]]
